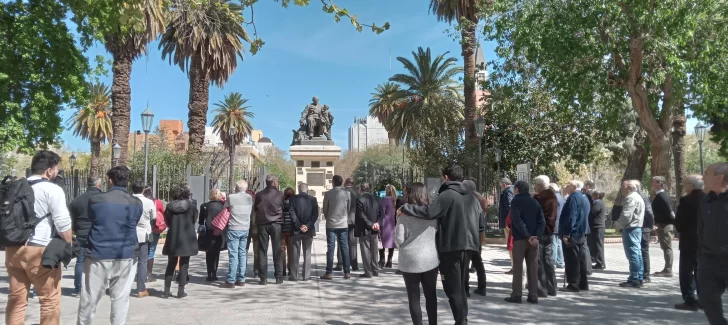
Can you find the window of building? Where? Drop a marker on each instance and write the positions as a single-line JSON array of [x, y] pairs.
[[315, 164], [329, 164], [299, 163]]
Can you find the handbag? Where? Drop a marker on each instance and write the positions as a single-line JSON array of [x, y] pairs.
[[220, 222]]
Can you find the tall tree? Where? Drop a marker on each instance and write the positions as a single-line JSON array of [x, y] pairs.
[[645, 50], [129, 30], [678, 150], [93, 122], [466, 14], [382, 104], [42, 71], [232, 112], [204, 38]]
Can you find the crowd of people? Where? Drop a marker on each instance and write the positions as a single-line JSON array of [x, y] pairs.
[[113, 235]]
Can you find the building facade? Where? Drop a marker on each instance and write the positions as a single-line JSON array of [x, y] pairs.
[[365, 132]]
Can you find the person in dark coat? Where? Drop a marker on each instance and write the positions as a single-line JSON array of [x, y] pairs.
[[268, 209], [304, 213], [686, 223], [287, 230], [647, 224], [664, 219], [181, 240], [528, 228], [573, 226], [550, 206], [369, 217], [81, 226], [211, 244], [597, 222], [504, 207], [476, 259]]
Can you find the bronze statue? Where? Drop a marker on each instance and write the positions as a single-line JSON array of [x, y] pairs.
[[316, 121]]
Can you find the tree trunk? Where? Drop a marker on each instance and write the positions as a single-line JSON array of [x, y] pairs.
[[678, 150], [471, 98], [199, 99], [392, 141], [95, 155], [637, 161], [121, 103]]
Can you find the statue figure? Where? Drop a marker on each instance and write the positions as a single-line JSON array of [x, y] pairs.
[[327, 120], [311, 116], [316, 121]]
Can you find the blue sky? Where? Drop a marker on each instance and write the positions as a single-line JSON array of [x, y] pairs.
[[306, 54]]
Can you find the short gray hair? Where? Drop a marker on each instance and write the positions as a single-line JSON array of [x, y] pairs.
[[576, 183], [302, 188], [93, 182], [469, 185], [720, 168], [506, 180], [636, 183], [554, 187], [660, 180], [541, 180], [241, 185], [270, 179], [696, 181], [632, 185]]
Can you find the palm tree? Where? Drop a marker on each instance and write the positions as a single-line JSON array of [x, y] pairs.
[[429, 96], [93, 122], [143, 22], [205, 40], [232, 112], [465, 13], [385, 99]]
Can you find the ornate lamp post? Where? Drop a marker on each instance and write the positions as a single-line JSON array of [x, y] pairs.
[[700, 134], [116, 153], [72, 162], [147, 120], [231, 178], [480, 129]]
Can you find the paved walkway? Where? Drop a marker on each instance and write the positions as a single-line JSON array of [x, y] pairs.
[[383, 300]]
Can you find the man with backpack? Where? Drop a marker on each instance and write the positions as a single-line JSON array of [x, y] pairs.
[[81, 227], [38, 208]]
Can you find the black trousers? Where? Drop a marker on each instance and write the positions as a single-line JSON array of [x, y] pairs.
[[454, 270], [184, 266], [412, 282], [576, 259], [270, 233], [477, 263], [645, 244], [688, 276], [212, 255], [596, 246], [712, 280], [546, 271]]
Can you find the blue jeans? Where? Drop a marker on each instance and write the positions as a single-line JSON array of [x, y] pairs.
[[236, 242], [631, 238], [558, 252], [153, 246], [342, 236], [78, 270]]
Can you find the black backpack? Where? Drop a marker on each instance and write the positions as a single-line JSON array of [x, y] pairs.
[[17, 217]]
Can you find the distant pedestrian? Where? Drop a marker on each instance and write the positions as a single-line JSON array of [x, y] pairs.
[[369, 216], [181, 240], [558, 250], [268, 208], [144, 236], [287, 230], [158, 227], [549, 204], [686, 223], [337, 203], [597, 222], [476, 259], [573, 226], [418, 261], [647, 227], [240, 205], [387, 226], [209, 242], [633, 213], [353, 241], [504, 208], [664, 219]]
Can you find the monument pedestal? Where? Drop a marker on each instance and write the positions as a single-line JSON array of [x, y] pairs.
[[315, 161]]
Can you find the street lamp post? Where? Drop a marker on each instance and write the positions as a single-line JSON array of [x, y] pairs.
[[700, 134], [147, 120], [480, 129], [116, 152], [232, 158], [72, 162]]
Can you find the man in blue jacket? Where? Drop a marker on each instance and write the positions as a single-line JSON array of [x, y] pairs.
[[573, 225], [111, 248]]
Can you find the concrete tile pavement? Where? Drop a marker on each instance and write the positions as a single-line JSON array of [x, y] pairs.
[[383, 300]]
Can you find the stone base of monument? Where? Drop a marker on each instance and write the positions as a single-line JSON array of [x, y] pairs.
[[315, 160]]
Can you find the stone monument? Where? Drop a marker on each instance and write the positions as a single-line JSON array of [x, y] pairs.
[[313, 151]]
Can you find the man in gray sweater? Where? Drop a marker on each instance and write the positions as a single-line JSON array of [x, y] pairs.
[[337, 204], [633, 212]]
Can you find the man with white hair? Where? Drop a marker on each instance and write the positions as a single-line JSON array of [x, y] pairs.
[[713, 244], [550, 206], [633, 213], [686, 223], [236, 234], [573, 227], [558, 251], [304, 213]]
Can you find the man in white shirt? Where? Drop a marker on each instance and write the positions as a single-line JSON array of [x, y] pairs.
[[24, 262], [144, 233]]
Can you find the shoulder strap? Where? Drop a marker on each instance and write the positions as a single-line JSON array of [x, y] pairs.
[[36, 181]]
